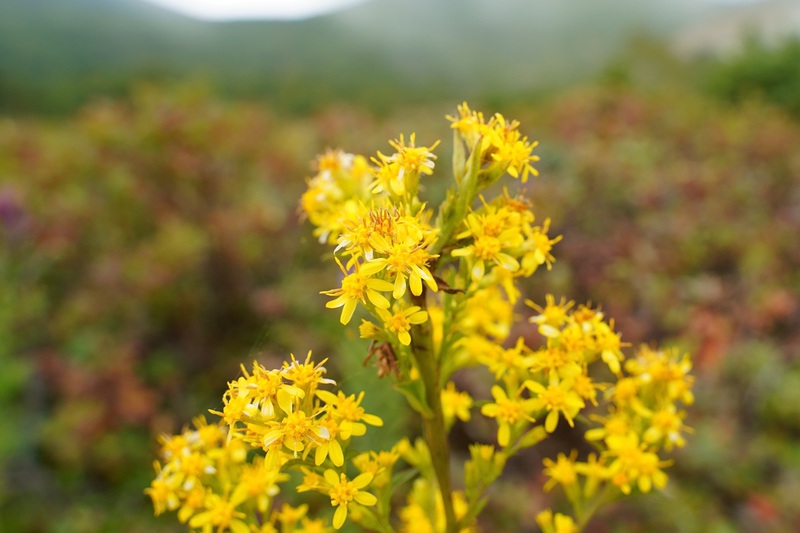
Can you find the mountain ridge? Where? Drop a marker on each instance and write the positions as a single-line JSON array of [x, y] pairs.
[[382, 50]]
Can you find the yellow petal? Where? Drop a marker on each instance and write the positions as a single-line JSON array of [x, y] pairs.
[[416, 284], [503, 435], [331, 477], [377, 300], [339, 516], [365, 498], [551, 421], [399, 286], [362, 480], [347, 312], [372, 420], [335, 452], [404, 338]]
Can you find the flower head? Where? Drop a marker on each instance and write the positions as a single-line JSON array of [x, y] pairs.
[[344, 492]]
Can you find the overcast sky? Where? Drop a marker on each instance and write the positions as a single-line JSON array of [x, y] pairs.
[[241, 9], [281, 9]]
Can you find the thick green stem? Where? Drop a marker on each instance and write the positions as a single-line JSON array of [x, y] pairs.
[[433, 425]]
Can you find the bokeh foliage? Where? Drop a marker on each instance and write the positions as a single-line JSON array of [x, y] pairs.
[[150, 245]]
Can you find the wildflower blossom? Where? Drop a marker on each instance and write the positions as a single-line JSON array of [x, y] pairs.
[[558, 399], [595, 472], [558, 523], [488, 245], [666, 428], [632, 463], [359, 286], [512, 149], [552, 316], [403, 254], [537, 249], [400, 322], [456, 404], [399, 173], [348, 411], [508, 412], [221, 514], [561, 471], [335, 192], [470, 124], [344, 492], [379, 464]]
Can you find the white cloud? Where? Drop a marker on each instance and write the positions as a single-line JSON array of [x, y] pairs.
[[254, 9]]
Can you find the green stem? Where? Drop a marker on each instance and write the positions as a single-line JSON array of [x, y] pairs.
[[584, 515], [433, 425], [461, 200]]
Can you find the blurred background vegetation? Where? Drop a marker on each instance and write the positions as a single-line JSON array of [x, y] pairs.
[[150, 167]]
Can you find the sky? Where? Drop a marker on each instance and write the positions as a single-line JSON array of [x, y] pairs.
[[279, 9], [246, 9]]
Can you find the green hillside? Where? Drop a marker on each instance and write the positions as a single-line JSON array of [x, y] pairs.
[[54, 56]]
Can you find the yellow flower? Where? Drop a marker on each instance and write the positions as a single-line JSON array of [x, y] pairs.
[[489, 243], [348, 410], [595, 471], [400, 322], [561, 471], [552, 316], [634, 464], [537, 248], [586, 388], [308, 525], [379, 464], [488, 314], [470, 124], [260, 483], [508, 412], [399, 173], [289, 516], [220, 514], [295, 432], [512, 149], [335, 192], [618, 423], [306, 375], [343, 492], [558, 399], [455, 404], [666, 426], [329, 447], [356, 238], [359, 286], [163, 491], [555, 524], [193, 500], [405, 256]]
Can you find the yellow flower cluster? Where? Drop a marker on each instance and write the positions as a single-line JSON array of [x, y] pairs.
[[212, 485], [642, 398], [502, 148], [439, 288], [386, 252], [380, 228], [210, 477], [502, 235], [470, 261], [341, 182]]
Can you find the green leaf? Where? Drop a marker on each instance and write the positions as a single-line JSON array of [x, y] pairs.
[[414, 391]]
